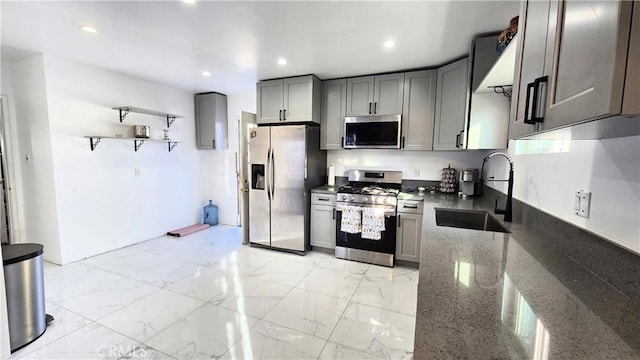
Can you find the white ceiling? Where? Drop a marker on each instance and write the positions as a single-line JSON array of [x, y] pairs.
[[239, 42]]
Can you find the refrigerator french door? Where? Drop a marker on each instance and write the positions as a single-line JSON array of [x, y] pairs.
[[277, 193]]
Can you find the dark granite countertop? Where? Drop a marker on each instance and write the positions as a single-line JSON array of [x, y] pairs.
[[325, 189], [491, 295]]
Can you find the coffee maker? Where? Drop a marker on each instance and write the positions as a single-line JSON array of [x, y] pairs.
[[468, 183]]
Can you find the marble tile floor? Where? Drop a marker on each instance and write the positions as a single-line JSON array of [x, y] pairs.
[[206, 296]]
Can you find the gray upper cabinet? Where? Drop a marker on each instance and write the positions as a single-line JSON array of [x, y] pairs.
[[534, 19], [587, 47], [419, 109], [574, 64], [360, 96], [451, 109], [334, 97], [387, 94], [211, 121], [288, 100], [375, 95], [270, 100]]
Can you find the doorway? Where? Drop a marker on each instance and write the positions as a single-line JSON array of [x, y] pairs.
[[247, 120], [6, 228]]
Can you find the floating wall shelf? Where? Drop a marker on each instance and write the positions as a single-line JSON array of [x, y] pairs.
[[501, 73], [125, 110], [137, 142]]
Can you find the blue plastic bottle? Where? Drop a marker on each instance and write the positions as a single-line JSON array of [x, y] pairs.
[[210, 214]]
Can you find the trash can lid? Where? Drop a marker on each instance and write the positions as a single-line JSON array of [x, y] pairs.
[[15, 253]]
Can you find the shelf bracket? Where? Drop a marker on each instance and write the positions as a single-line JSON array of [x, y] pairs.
[[172, 144], [123, 113], [500, 89], [170, 120], [93, 142], [137, 144]]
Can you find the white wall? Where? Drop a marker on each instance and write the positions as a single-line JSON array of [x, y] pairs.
[[223, 187], [548, 173], [419, 165], [37, 187], [82, 203]]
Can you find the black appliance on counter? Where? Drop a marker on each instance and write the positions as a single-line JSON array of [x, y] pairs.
[[369, 190]]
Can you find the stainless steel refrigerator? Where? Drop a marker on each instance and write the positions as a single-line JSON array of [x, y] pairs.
[[285, 163]]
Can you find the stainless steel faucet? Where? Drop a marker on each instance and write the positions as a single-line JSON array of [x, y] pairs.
[[508, 210]]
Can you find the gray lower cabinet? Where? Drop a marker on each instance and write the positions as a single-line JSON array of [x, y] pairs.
[[375, 95], [334, 97], [211, 121], [323, 226], [451, 106], [409, 236], [295, 99], [418, 111]]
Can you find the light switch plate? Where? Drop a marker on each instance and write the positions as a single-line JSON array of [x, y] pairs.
[[582, 203]]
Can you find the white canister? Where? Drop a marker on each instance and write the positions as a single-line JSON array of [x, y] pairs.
[[331, 176]]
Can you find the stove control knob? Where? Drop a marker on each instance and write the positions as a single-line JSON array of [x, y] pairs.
[[365, 199], [353, 198], [343, 197]]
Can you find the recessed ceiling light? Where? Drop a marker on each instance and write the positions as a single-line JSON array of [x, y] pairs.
[[188, 1], [206, 73], [282, 61], [389, 44], [88, 28]]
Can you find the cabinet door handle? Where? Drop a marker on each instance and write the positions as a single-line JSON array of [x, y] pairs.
[[369, 108], [402, 145], [280, 116], [284, 114], [323, 199], [399, 221], [342, 142], [334, 214], [536, 93], [213, 143], [458, 140], [409, 207], [527, 120], [375, 107]]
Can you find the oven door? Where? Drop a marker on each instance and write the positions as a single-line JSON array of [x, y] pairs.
[[387, 242], [379, 132]]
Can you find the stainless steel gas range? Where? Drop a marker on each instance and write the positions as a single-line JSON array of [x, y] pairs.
[[366, 217]]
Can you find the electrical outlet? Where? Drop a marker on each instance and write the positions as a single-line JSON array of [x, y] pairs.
[[582, 203], [416, 173], [136, 172]]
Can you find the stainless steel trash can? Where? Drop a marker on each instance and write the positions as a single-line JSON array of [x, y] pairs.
[[24, 282]]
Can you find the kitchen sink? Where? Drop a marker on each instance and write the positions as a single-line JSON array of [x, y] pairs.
[[469, 219]]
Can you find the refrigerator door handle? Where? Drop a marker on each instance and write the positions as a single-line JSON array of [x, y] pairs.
[[266, 174], [273, 175]]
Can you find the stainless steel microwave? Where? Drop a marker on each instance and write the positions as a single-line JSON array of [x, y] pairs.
[[372, 132]]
